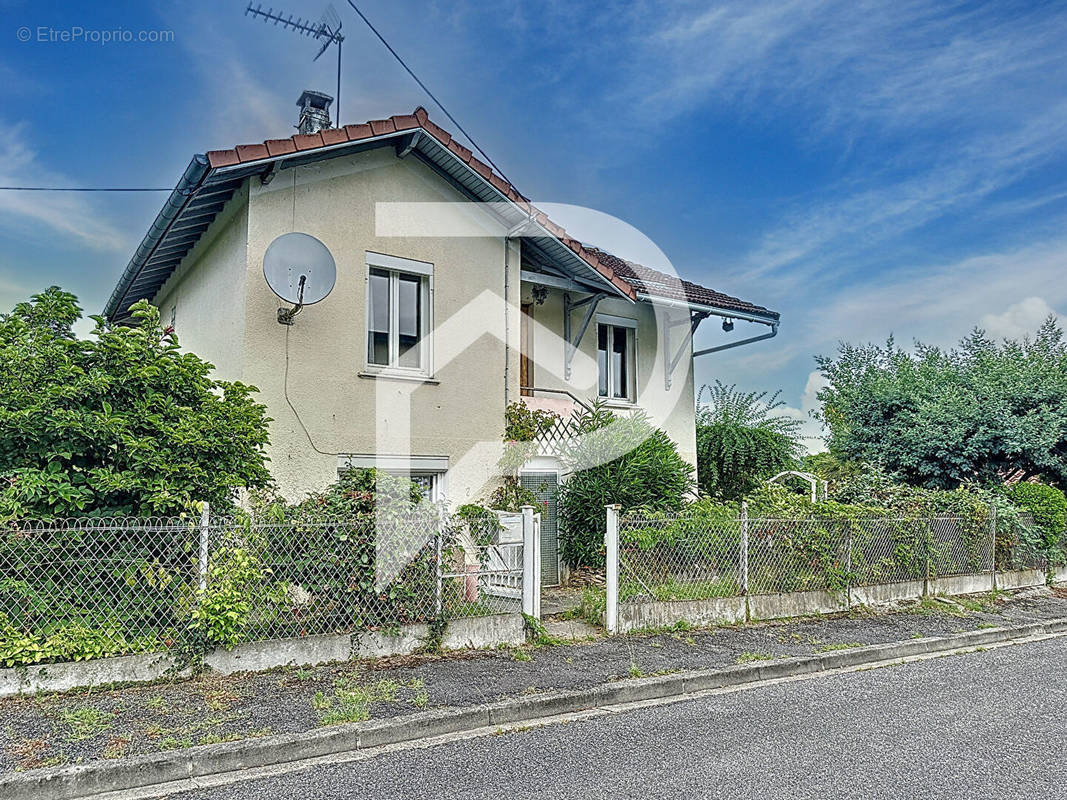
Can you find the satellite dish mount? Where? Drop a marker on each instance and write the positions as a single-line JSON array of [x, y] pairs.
[[285, 315], [300, 270]]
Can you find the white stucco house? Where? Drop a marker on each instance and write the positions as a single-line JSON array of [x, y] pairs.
[[454, 297]]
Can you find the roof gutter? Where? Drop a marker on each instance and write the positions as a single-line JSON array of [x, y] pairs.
[[188, 185]]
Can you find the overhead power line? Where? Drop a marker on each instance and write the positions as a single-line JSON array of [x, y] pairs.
[[426, 89], [392, 52], [79, 189]]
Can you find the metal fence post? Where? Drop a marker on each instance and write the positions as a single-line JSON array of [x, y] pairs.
[[439, 606], [993, 546], [611, 544], [529, 551], [848, 564], [743, 568], [537, 565], [928, 545], [205, 529]]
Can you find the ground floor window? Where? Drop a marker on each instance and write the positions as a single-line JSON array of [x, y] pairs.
[[616, 345], [429, 473]]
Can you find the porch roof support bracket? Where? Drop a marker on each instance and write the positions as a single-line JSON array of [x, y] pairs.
[[668, 325], [268, 174], [405, 146], [570, 345]]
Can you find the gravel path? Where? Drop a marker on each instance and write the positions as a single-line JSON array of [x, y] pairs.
[[77, 727]]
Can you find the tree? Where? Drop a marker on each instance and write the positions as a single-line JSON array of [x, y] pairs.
[[624, 460], [742, 440], [983, 411], [123, 423]]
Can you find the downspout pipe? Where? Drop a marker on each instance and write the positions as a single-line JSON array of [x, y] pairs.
[[739, 343], [189, 184]]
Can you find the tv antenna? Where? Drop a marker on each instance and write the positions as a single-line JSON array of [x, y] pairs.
[[327, 30]]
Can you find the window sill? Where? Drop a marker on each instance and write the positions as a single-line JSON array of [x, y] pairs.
[[616, 403], [398, 376]]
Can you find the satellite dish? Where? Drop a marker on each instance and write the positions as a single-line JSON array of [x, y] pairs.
[[300, 270]]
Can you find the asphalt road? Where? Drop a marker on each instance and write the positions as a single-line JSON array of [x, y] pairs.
[[988, 725]]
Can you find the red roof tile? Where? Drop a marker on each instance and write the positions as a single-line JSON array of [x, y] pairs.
[[334, 136], [307, 141], [404, 122], [380, 126], [252, 152], [279, 147], [659, 284], [222, 158]]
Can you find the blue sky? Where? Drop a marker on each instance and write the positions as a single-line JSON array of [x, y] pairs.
[[864, 167]]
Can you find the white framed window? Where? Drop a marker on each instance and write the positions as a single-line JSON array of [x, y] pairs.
[[429, 473], [399, 314], [616, 355]]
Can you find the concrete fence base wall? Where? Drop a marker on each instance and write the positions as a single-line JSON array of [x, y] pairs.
[[794, 604], [139, 668], [1021, 578], [884, 593], [961, 584], [732, 610], [506, 629], [712, 611], [1059, 576]]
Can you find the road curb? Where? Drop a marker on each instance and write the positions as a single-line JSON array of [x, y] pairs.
[[68, 783]]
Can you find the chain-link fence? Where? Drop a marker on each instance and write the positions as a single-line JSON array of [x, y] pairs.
[[679, 558], [89, 588], [1025, 546], [691, 557]]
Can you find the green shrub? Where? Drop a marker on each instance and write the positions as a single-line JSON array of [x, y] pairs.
[[1047, 505], [122, 423], [524, 424], [328, 547], [624, 460], [223, 610], [742, 440], [511, 495]]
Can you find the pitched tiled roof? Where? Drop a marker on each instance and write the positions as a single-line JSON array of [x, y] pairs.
[[627, 276], [210, 181], [646, 280], [419, 119]]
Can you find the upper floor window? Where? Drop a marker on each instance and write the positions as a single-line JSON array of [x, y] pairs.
[[398, 313], [616, 358]]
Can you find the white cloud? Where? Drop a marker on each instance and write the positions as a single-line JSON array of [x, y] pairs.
[[1018, 320], [897, 64], [68, 214], [811, 430]]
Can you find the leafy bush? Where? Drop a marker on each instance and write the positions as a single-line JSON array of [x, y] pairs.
[[983, 410], [1047, 504], [223, 610], [742, 440], [524, 424], [511, 495], [624, 460], [63, 643], [335, 546], [120, 424]]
